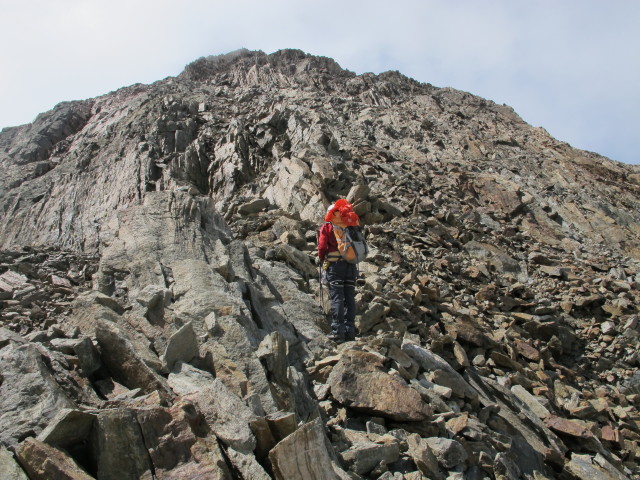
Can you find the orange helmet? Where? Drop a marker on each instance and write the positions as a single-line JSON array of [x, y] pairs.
[[345, 210]]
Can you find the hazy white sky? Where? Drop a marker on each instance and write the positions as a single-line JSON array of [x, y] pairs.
[[570, 66]]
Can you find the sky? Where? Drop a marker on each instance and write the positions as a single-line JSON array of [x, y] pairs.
[[569, 66]]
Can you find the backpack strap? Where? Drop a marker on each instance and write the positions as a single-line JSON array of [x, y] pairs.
[[335, 255]]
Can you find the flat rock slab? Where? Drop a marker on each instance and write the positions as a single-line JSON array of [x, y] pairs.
[[569, 427], [450, 453], [359, 381], [10, 281], [364, 457], [44, 462], [585, 467], [67, 428]]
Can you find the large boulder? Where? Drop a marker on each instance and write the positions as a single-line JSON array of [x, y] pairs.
[[360, 381], [125, 362], [305, 454], [90, 307], [68, 428], [30, 396], [171, 435], [44, 462], [226, 414]]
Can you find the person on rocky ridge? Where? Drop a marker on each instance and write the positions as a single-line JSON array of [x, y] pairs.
[[341, 275]]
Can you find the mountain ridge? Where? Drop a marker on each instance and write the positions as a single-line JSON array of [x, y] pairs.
[[158, 269]]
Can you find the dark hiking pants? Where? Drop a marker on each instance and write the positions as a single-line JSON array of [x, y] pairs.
[[342, 293]]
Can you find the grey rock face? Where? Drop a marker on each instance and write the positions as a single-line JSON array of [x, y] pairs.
[[182, 346], [185, 139], [118, 446], [121, 357], [498, 312], [30, 396], [304, 454], [449, 452], [68, 428], [227, 415]]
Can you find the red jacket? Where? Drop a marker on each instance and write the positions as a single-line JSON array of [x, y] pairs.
[[327, 241]]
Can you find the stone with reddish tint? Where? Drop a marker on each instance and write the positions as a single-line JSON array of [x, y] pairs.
[[361, 382], [527, 351], [44, 462], [567, 427]]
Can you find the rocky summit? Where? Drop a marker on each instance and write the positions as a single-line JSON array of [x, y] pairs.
[[161, 315]]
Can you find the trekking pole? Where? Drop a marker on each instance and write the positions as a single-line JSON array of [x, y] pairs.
[[321, 291], [320, 277]]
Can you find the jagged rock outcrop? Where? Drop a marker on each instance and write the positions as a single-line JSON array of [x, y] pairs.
[[161, 316]]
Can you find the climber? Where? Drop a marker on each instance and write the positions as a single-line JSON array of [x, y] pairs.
[[341, 274]]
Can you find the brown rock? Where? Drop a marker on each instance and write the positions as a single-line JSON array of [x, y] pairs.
[[359, 381], [610, 434], [590, 300], [457, 424], [505, 361], [466, 329], [44, 462], [282, 424], [567, 427], [460, 355], [424, 458], [527, 351], [170, 433], [209, 462], [57, 281]]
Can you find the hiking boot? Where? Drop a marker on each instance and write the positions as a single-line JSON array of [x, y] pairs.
[[336, 337]]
